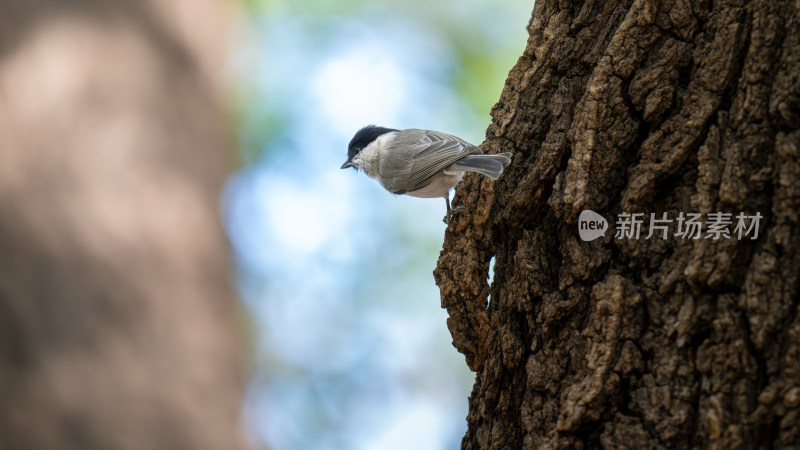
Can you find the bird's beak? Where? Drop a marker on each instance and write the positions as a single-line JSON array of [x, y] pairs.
[[347, 164]]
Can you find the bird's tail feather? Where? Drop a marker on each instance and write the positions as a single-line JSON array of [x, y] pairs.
[[490, 165]]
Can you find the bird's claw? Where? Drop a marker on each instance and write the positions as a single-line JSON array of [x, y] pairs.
[[447, 218]]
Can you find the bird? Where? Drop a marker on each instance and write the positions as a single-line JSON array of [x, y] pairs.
[[420, 163]]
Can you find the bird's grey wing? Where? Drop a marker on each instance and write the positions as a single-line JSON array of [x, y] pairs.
[[418, 158]]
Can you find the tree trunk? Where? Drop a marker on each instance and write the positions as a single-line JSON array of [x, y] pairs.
[[622, 108], [117, 317]]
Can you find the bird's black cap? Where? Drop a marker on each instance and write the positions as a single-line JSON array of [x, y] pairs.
[[362, 138]]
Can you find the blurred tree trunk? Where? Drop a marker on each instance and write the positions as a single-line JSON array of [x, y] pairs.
[[636, 107], [118, 324]]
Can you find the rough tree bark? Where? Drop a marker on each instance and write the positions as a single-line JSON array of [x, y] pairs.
[[646, 107], [118, 322]]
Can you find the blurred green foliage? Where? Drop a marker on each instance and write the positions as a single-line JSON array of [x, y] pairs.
[[484, 39]]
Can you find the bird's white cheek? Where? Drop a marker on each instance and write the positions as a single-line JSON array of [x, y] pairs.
[[368, 167]]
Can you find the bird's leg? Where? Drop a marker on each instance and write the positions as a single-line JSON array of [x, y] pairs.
[[451, 211]]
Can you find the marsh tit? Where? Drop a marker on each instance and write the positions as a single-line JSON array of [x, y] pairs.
[[419, 163]]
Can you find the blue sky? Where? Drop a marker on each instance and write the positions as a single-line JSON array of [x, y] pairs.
[[351, 345]]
